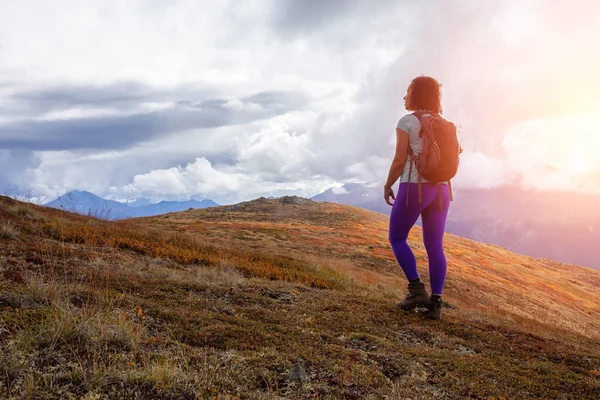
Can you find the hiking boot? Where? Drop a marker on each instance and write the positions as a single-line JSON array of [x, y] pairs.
[[417, 296], [434, 309]]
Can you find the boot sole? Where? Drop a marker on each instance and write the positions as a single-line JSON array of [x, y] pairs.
[[412, 307]]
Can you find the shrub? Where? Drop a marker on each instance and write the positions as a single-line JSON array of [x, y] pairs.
[[8, 231]]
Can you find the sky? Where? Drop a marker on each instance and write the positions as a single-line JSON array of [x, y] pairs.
[[233, 100]]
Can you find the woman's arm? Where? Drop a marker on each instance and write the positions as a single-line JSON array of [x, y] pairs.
[[397, 165], [399, 158]]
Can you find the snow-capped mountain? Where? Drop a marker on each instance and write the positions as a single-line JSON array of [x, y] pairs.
[[89, 204]]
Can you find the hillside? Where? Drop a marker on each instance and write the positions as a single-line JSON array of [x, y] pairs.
[[558, 225], [278, 298]]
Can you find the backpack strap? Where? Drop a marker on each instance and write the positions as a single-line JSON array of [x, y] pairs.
[[411, 157], [440, 194], [409, 173], [419, 115]]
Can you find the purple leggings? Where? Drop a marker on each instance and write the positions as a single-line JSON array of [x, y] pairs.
[[433, 219]]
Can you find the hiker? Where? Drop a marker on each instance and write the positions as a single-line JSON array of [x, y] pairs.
[[426, 147]]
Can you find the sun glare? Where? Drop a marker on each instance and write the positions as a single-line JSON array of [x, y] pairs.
[[579, 166], [581, 143], [561, 150]]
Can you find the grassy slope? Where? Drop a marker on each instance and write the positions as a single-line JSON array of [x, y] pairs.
[[225, 302]]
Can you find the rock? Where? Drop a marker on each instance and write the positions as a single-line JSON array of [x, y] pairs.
[[296, 200], [465, 350], [429, 387], [298, 374], [407, 337], [16, 301]]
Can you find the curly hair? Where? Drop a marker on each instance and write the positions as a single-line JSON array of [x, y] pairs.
[[426, 94]]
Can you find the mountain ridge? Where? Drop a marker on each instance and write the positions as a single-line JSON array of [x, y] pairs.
[[87, 203]]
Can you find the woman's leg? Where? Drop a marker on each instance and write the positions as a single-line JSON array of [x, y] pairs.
[[402, 219], [434, 225]]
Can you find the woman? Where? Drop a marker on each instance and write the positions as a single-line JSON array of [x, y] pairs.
[[423, 96]]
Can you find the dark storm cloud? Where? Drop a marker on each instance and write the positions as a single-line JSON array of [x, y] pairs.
[[68, 96], [293, 17], [120, 131], [122, 95], [301, 16], [13, 169]]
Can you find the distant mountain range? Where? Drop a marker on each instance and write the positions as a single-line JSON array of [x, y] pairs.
[[561, 226], [89, 204]]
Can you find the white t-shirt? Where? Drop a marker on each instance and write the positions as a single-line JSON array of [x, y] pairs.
[[411, 124]]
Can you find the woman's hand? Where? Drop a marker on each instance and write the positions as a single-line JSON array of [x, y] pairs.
[[387, 193]]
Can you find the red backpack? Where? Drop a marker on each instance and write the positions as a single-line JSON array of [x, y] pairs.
[[438, 162]]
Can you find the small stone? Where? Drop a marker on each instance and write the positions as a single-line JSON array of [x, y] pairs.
[[16, 301], [429, 387], [298, 374], [465, 350]]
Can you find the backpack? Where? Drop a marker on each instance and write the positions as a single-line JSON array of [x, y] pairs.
[[438, 162]]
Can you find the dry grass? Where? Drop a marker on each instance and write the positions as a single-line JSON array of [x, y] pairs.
[[354, 243], [25, 211], [8, 231], [224, 274], [226, 303], [95, 344]]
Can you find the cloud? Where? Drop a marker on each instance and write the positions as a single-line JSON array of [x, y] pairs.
[[196, 177], [59, 171], [283, 96], [339, 190], [291, 17], [40, 99], [479, 170], [14, 167], [224, 186], [120, 131], [556, 153]]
